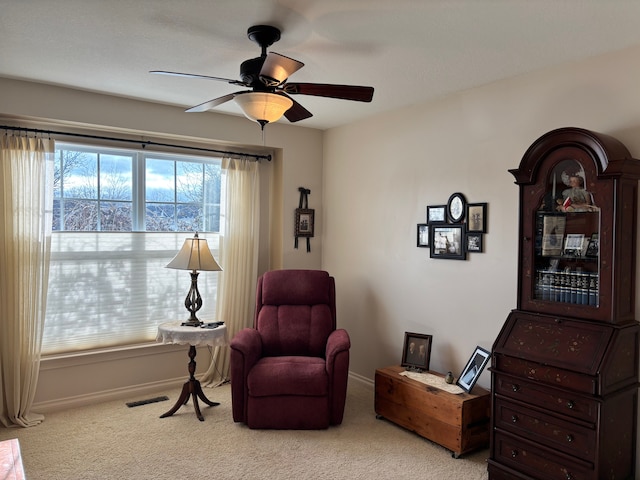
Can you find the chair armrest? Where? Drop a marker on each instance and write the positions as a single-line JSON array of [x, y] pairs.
[[246, 350], [248, 343], [337, 342], [337, 357]]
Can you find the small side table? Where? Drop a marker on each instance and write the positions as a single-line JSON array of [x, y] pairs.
[[173, 332]]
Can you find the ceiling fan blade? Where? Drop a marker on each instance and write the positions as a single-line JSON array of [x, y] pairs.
[[344, 92], [193, 75], [277, 68], [297, 112], [203, 107]]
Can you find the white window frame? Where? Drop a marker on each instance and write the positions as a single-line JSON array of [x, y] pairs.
[[109, 289]]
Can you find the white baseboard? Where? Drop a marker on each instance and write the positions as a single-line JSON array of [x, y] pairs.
[[134, 391], [107, 395], [359, 378]]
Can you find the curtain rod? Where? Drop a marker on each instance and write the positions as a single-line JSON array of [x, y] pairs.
[[141, 142]]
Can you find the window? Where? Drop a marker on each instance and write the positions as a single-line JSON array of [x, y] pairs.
[[119, 217]]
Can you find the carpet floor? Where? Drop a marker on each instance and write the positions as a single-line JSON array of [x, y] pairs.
[[112, 441]]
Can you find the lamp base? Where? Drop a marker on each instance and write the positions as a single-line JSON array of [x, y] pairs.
[[193, 302], [191, 323]]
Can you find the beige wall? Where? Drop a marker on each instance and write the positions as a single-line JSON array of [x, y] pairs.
[[86, 378], [380, 174]]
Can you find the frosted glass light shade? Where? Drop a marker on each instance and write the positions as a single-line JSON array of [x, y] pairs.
[[195, 255], [263, 107]]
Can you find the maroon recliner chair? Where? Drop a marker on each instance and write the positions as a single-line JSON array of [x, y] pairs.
[[290, 371]]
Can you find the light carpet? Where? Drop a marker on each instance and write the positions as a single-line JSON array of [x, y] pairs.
[[112, 441]]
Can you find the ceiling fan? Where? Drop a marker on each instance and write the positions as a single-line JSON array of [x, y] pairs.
[[266, 76]]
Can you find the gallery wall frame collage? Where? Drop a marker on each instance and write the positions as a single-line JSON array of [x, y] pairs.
[[453, 230]]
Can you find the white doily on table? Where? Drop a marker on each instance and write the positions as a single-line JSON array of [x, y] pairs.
[[183, 335], [433, 381]]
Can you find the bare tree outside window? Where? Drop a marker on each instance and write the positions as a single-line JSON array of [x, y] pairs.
[[94, 191]]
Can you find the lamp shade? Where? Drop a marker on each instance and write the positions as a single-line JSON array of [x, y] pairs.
[[194, 255], [263, 107]]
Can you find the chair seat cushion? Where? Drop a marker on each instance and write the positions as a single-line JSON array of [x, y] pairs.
[[288, 375]]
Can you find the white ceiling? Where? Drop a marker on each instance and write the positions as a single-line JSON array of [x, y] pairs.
[[410, 51]]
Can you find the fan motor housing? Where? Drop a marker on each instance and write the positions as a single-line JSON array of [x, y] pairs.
[[250, 73]]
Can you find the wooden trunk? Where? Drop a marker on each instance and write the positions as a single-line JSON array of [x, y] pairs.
[[459, 422]]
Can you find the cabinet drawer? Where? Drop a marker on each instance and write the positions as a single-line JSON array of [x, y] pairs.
[[538, 462], [553, 376], [568, 437], [546, 398]]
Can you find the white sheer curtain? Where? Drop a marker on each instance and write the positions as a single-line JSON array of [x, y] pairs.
[[26, 201], [238, 258]]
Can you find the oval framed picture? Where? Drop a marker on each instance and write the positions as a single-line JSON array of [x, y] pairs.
[[456, 207]]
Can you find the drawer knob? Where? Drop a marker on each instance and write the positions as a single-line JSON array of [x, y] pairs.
[[515, 387], [570, 405], [514, 453], [569, 438], [569, 476], [514, 418]]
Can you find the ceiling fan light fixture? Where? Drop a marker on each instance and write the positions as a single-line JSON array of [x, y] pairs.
[[263, 107]]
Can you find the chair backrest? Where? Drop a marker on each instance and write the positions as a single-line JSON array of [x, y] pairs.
[[295, 312]]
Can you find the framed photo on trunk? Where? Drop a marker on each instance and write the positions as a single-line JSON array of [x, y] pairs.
[[416, 351], [472, 370]]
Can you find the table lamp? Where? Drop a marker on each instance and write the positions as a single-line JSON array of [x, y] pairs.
[[194, 255]]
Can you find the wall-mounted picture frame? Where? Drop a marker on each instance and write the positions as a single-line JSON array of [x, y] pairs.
[[477, 217], [304, 222], [416, 352], [456, 207], [436, 214], [474, 242], [472, 370], [423, 235], [448, 242]]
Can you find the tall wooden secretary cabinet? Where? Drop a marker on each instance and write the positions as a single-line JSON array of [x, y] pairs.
[[564, 368]]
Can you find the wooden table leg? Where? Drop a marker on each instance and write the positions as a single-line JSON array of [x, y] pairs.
[[191, 388]]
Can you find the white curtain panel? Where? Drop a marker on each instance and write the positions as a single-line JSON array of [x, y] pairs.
[[238, 258], [26, 202]]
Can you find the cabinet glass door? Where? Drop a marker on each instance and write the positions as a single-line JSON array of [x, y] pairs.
[[567, 234]]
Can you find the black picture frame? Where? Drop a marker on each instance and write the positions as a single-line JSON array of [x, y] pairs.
[[575, 244], [593, 245], [477, 217], [423, 235], [456, 208], [436, 214], [474, 242], [472, 370], [447, 242], [416, 352], [304, 222]]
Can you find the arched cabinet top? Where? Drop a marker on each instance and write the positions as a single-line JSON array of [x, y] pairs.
[[610, 156]]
